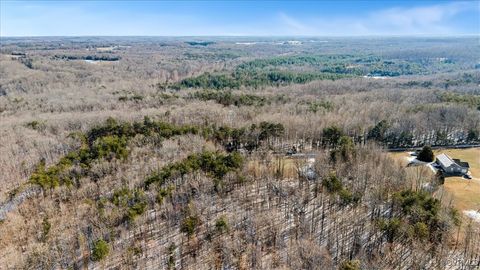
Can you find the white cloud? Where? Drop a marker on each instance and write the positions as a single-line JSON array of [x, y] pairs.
[[429, 20], [416, 16], [419, 20]]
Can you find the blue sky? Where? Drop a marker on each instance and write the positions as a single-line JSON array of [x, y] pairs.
[[238, 18]]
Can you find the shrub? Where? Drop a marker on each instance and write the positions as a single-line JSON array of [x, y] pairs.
[[214, 164], [137, 97], [136, 209], [171, 256], [391, 227], [347, 197], [36, 125], [426, 154], [455, 216], [350, 265], [134, 202], [331, 136], [268, 130], [53, 176], [109, 128], [378, 132], [135, 250], [473, 134], [420, 230], [440, 177], [332, 183], [109, 147], [45, 179], [227, 98], [100, 250], [421, 212], [164, 192], [418, 204], [46, 226], [221, 225], [189, 225], [120, 197], [347, 147], [316, 105]]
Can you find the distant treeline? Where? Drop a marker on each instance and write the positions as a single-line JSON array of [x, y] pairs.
[[341, 64], [89, 57], [468, 99], [18, 53], [254, 79], [211, 56], [383, 133], [301, 69], [228, 98], [199, 43]]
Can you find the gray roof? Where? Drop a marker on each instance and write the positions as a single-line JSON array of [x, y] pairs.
[[461, 163], [445, 160]]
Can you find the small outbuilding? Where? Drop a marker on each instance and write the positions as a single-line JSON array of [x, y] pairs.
[[452, 166]]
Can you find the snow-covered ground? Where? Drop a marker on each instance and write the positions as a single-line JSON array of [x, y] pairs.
[[413, 160], [308, 170], [475, 215], [430, 165]]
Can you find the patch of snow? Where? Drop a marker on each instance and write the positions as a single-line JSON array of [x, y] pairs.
[[428, 187], [412, 159], [308, 172], [475, 215], [294, 42], [430, 165], [376, 77], [311, 161], [289, 42]]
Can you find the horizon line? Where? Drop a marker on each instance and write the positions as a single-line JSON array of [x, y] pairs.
[[233, 36]]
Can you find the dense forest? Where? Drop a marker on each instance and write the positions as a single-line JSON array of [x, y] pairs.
[[181, 153]]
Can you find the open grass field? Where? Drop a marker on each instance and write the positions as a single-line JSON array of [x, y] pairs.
[[470, 155], [465, 194]]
